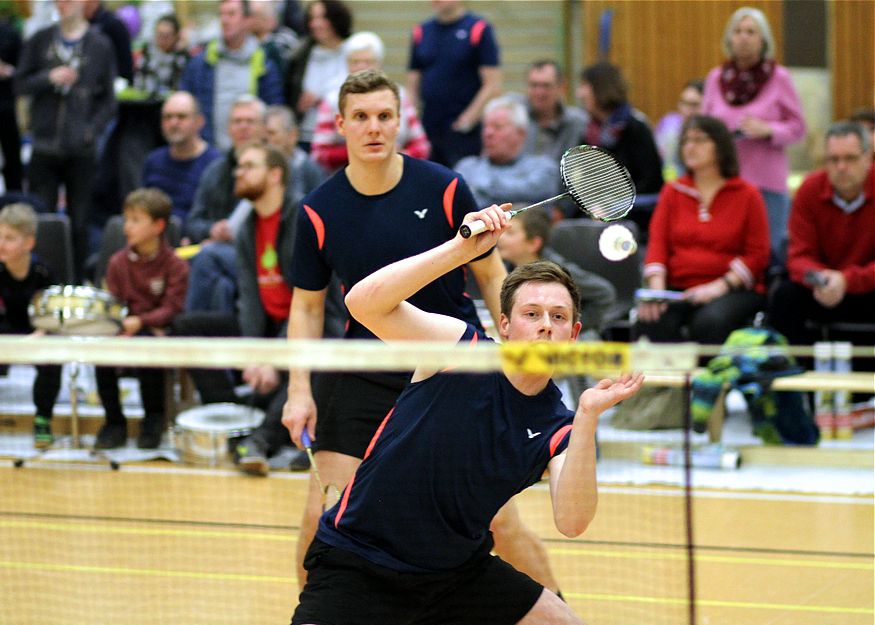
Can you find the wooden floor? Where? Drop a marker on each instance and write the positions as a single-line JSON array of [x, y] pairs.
[[155, 544]]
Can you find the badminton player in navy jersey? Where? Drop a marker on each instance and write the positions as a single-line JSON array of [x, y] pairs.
[[383, 207], [409, 540]]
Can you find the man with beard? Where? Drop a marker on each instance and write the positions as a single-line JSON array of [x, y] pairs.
[[263, 247]]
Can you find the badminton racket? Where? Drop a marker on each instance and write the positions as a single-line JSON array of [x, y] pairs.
[[599, 185], [330, 492]]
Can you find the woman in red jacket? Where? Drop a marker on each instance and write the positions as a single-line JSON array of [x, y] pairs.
[[709, 238]]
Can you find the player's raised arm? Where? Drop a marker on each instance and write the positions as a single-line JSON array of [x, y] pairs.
[[379, 301]]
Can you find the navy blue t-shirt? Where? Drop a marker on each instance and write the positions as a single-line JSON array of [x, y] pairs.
[[449, 57], [454, 449], [352, 234], [177, 178]]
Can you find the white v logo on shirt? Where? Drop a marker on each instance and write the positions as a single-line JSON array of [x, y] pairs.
[[421, 214], [532, 434]]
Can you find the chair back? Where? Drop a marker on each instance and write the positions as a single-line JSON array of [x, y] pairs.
[[54, 245]]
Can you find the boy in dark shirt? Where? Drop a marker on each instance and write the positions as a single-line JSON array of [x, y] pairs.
[[22, 276]]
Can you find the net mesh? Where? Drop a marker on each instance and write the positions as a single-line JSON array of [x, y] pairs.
[[168, 541], [599, 184]]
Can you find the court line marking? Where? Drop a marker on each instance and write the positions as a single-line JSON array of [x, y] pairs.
[[289, 538], [712, 603], [291, 580]]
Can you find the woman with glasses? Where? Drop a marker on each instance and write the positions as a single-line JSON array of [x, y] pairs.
[[709, 240]]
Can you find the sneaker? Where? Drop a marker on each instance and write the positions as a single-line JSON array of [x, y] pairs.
[[42, 432], [111, 436], [251, 458], [300, 461], [150, 434]]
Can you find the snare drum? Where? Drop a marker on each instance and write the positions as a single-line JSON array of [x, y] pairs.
[[76, 311], [204, 435]]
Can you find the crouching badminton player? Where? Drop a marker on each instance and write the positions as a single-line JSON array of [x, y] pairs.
[[409, 540]]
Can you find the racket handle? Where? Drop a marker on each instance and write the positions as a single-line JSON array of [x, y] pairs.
[[305, 438], [477, 226]]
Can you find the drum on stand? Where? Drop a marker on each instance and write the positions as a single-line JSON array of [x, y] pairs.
[[205, 435], [71, 310]]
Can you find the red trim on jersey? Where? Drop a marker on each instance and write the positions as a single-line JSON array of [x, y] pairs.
[[477, 32], [449, 196], [345, 497], [417, 34], [318, 225], [557, 438]]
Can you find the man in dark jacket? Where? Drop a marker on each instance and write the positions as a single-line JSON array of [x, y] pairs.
[[67, 70]]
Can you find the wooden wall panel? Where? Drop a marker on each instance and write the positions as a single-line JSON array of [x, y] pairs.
[[852, 55], [660, 45]]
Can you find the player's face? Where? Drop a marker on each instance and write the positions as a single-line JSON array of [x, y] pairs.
[[370, 125], [14, 245], [847, 166], [140, 227], [542, 311]]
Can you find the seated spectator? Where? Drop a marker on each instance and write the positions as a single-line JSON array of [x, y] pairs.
[[709, 238], [177, 167], [159, 64], [503, 173], [364, 50], [263, 255], [281, 132], [831, 259], [22, 276], [619, 128], [216, 213], [554, 126], [228, 68], [668, 130], [528, 239], [151, 280]]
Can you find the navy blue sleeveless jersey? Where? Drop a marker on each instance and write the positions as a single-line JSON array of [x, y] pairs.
[[454, 449], [352, 234]]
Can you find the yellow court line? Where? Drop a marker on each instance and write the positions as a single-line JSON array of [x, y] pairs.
[[718, 603], [648, 555], [292, 538], [150, 531], [118, 570]]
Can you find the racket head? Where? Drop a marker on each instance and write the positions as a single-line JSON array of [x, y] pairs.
[[597, 182]]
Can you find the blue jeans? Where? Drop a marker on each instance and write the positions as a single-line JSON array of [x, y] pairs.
[[212, 279], [778, 212]]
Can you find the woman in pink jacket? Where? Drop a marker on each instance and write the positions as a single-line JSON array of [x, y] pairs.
[[755, 97]]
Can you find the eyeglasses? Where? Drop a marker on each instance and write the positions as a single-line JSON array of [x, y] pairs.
[[838, 159]]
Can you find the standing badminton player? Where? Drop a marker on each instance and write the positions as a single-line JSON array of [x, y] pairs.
[[409, 540], [384, 206]]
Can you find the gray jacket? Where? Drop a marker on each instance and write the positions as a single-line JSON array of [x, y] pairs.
[[250, 312], [67, 121]]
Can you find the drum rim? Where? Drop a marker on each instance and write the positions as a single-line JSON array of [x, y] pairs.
[[254, 414]]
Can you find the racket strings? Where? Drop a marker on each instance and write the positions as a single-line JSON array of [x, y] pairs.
[[600, 186]]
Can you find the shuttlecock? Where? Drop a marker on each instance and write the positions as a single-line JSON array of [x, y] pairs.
[[616, 243]]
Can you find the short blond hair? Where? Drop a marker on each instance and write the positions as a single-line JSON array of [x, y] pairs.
[[20, 217]]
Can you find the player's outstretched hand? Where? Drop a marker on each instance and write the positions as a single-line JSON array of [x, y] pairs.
[[608, 393]]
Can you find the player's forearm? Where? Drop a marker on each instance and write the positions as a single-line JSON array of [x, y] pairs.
[[577, 489], [382, 291], [304, 323]]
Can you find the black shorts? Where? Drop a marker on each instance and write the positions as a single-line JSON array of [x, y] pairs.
[[351, 406], [344, 589]]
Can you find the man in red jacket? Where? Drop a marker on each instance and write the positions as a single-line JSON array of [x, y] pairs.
[[831, 259]]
